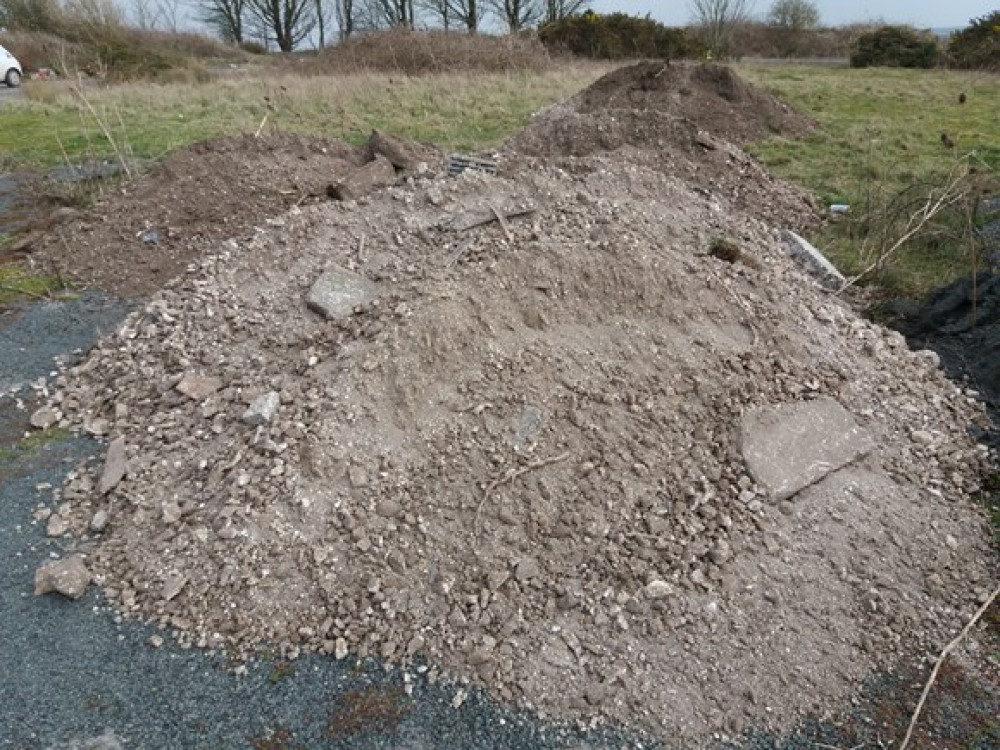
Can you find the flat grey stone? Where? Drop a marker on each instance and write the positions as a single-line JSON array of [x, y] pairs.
[[115, 466], [789, 447], [262, 409], [337, 292], [198, 387], [44, 418], [68, 577], [813, 261]]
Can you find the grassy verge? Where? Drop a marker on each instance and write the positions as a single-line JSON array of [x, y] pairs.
[[17, 282], [880, 148], [147, 120]]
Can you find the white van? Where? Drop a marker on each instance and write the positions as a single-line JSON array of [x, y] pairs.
[[10, 68]]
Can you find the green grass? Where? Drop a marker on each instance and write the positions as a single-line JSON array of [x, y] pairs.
[[879, 134], [28, 446], [17, 282], [146, 120]]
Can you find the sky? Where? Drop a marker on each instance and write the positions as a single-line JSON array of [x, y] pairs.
[[919, 13]]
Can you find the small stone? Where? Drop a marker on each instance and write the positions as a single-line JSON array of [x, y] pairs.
[[262, 409], [115, 466], [720, 553], [951, 541], [171, 511], [44, 418], [658, 590], [172, 586], [338, 291], [99, 521], [155, 640], [389, 509], [922, 436], [358, 477], [340, 649], [98, 427], [527, 568], [459, 699], [56, 526], [198, 387], [68, 577], [595, 694]]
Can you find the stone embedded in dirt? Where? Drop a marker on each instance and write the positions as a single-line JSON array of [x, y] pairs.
[[658, 590], [404, 155], [99, 521], [262, 409], [44, 418], [813, 261], [337, 292], [98, 427], [375, 174], [56, 526], [68, 577], [115, 466], [789, 447], [172, 586], [198, 387]]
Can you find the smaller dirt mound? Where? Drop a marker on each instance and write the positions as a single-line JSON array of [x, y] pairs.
[[688, 121], [144, 235], [711, 97]]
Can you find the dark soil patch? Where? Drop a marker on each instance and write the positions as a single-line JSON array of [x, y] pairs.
[[369, 708], [134, 240]]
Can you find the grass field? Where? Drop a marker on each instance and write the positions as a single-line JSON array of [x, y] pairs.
[[879, 148], [147, 120]]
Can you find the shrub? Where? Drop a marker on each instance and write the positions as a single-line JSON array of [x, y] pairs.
[[421, 52], [253, 48], [616, 37], [978, 45], [895, 47], [757, 39]]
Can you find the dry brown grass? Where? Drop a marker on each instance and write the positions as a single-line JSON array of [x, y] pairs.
[[422, 52]]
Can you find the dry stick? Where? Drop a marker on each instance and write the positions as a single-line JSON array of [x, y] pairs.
[[944, 655], [503, 223], [914, 224], [510, 476], [262, 124]]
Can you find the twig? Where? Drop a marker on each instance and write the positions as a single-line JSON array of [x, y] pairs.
[[503, 223], [510, 476], [944, 655], [260, 127]]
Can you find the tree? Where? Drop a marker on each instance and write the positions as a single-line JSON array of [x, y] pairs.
[[343, 12], [556, 10], [391, 13], [794, 15], [286, 22], [466, 12], [225, 18], [717, 20], [516, 14], [439, 10]]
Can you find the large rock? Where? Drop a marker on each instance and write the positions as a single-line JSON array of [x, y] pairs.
[[375, 174], [115, 466], [789, 447], [68, 577], [813, 261], [337, 292]]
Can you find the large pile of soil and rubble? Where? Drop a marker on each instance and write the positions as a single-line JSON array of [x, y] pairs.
[[528, 430]]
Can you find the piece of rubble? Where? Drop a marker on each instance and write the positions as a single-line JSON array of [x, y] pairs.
[[338, 291], [404, 155], [99, 521], [172, 586], [813, 261], [44, 418], [789, 447], [198, 387], [262, 409], [375, 174], [68, 577], [115, 466]]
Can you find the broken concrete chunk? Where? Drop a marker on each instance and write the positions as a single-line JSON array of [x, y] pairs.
[[115, 466], [262, 409], [44, 418], [375, 174], [789, 447], [172, 586], [198, 387], [68, 577], [337, 292], [813, 261]]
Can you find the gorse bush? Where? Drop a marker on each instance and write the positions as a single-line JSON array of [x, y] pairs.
[[617, 37], [895, 47], [978, 45]]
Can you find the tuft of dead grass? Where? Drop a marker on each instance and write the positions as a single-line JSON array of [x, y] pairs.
[[411, 52]]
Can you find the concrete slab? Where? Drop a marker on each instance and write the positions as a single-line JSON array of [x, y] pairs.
[[789, 447], [813, 261], [338, 291]]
